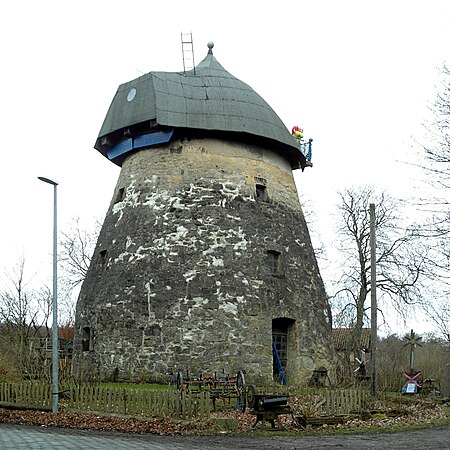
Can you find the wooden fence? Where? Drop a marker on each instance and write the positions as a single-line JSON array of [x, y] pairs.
[[35, 395], [314, 402], [172, 403], [135, 402], [129, 402], [344, 401]]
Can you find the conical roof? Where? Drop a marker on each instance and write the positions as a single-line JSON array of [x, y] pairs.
[[207, 98]]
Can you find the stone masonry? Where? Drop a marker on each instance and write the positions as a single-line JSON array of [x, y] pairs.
[[203, 251]]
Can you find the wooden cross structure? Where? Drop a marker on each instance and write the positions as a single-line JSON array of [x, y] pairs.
[[412, 378]]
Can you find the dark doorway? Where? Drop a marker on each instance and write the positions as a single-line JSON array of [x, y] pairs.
[[280, 344]]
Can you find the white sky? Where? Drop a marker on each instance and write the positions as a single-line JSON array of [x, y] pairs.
[[357, 76]]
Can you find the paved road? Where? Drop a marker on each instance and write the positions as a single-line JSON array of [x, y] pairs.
[[34, 437]]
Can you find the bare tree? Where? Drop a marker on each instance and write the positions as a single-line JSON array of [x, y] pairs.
[[76, 248], [438, 312], [399, 264], [391, 363], [311, 220], [25, 309], [77, 245], [437, 152], [24, 315], [436, 204]]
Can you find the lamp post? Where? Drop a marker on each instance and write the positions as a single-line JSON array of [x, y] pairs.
[[373, 298], [55, 389]]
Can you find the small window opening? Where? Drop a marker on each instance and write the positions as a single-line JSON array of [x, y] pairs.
[[261, 193], [273, 260], [120, 195], [103, 254], [86, 341]]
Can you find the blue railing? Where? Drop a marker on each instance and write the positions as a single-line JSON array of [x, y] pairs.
[[306, 148], [278, 363]]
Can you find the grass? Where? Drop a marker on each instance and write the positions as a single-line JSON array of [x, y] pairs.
[[138, 386]]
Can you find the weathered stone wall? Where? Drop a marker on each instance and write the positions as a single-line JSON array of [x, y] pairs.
[[181, 276]]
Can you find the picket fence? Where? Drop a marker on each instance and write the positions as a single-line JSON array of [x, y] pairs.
[[35, 395], [149, 403], [344, 401], [107, 400]]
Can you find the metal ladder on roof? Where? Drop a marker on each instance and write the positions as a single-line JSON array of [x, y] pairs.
[[187, 47]]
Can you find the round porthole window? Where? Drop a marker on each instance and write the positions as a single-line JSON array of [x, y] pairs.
[[131, 94]]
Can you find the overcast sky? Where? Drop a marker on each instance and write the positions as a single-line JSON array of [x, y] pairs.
[[357, 76]]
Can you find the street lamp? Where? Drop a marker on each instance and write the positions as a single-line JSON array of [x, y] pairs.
[[54, 301]]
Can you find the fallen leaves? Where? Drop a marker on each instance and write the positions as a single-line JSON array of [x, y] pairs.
[[390, 414], [160, 425]]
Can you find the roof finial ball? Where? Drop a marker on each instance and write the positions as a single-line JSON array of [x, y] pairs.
[[210, 46]]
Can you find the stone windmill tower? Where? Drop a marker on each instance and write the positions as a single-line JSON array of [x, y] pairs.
[[204, 261]]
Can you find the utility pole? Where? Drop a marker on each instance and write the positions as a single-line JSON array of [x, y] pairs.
[[373, 299]]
